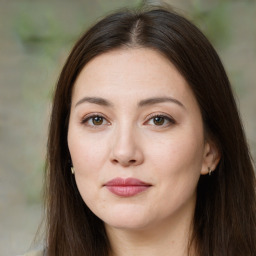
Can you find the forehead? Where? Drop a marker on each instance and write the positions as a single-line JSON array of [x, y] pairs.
[[136, 72]]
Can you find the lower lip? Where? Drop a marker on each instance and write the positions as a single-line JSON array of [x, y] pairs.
[[127, 191]]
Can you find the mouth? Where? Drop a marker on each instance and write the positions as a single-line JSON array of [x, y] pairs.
[[126, 187]]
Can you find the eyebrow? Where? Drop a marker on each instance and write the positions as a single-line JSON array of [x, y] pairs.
[[152, 101], [95, 100], [146, 102]]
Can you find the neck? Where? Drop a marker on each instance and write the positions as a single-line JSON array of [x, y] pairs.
[[171, 237]]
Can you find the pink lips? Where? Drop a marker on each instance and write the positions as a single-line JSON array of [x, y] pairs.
[[126, 187]]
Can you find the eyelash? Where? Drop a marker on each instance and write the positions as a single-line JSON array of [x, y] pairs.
[[166, 118], [87, 118]]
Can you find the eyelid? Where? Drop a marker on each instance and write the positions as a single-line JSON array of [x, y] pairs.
[[87, 117], [167, 117], [164, 115]]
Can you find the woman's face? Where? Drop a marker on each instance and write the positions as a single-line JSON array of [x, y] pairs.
[[136, 139]]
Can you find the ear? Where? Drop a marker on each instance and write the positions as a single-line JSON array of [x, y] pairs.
[[211, 157]]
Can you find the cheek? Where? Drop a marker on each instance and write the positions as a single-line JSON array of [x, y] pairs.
[[178, 153], [177, 162], [87, 152], [177, 171]]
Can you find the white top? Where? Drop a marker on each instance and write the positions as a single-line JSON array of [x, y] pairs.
[[34, 253]]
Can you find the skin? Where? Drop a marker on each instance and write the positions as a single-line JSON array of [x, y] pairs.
[[126, 140]]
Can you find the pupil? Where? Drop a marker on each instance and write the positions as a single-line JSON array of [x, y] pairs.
[[158, 120], [97, 120]]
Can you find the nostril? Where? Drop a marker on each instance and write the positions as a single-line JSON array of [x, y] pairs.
[[115, 161], [129, 162]]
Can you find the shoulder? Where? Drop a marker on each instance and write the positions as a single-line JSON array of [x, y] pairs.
[[34, 253]]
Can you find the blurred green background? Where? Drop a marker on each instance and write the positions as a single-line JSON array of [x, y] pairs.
[[36, 37]]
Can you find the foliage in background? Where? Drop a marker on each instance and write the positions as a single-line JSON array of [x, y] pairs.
[[214, 21]]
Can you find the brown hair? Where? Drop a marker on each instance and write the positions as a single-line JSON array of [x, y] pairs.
[[224, 219]]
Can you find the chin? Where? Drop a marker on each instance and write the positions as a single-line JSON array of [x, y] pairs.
[[125, 219], [127, 225]]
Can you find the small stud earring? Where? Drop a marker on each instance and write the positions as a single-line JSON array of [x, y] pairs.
[[72, 170], [210, 171]]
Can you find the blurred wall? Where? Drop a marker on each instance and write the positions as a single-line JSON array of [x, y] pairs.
[[36, 37]]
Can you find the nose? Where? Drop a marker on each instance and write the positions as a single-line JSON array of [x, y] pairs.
[[126, 148]]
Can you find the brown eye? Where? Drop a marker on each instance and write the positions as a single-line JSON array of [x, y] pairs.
[[158, 120], [97, 120], [94, 120]]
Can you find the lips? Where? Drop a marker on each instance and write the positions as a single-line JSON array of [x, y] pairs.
[[126, 187]]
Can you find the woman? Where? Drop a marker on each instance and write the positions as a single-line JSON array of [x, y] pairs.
[[146, 151]]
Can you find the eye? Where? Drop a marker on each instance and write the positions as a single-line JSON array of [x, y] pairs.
[[95, 120], [160, 120]]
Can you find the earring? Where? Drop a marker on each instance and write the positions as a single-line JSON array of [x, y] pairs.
[[210, 171], [72, 170]]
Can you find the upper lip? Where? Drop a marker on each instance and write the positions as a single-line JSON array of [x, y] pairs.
[[126, 182]]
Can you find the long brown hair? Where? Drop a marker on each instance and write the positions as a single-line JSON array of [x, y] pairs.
[[224, 219]]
